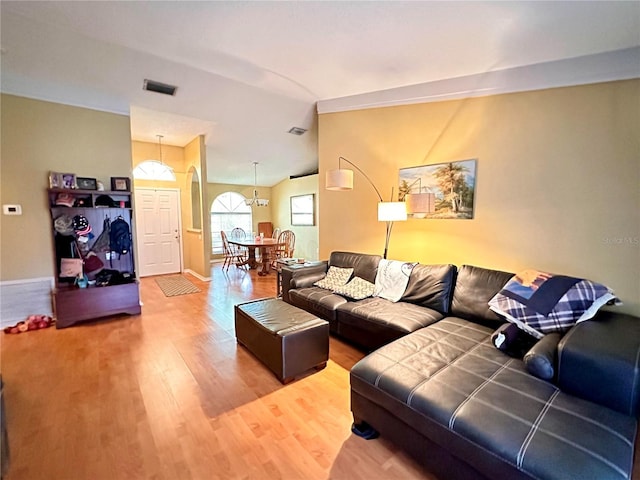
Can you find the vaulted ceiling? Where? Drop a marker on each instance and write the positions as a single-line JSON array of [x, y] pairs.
[[249, 71]]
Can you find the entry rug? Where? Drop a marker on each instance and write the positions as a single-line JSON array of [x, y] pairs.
[[176, 285]]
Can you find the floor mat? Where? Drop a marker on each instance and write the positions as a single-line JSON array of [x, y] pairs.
[[176, 285]]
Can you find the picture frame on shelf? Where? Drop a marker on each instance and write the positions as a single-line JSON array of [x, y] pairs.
[[85, 183], [68, 181], [55, 180], [120, 184]]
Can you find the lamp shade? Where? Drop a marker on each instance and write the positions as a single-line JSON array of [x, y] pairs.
[[419, 204], [341, 179], [392, 211]]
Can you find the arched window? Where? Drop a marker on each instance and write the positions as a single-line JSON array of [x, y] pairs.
[[153, 170], [228, 211]]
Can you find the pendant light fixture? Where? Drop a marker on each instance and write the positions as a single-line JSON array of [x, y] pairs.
[[160, 137], [259, 202], [154, 169]]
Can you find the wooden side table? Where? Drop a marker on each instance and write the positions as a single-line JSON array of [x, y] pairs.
[[290, 263]]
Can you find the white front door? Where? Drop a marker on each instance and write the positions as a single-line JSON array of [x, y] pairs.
[[158, 231]]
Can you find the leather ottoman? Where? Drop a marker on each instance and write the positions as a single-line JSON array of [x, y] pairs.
[[285, 338]]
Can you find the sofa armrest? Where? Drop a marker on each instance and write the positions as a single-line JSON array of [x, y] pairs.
[[300, 276], [598, 360]]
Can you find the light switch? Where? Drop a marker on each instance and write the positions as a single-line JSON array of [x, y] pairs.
[[12, 209]]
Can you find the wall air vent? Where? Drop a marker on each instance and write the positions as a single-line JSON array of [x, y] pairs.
[[297, 130], [158, 87]]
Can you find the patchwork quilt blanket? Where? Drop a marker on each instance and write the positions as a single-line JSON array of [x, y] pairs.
[[540, 302]]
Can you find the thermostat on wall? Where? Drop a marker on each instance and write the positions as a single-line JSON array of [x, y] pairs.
[[12, 209]]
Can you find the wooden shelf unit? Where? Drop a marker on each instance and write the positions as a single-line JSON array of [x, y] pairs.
[[73, 304]]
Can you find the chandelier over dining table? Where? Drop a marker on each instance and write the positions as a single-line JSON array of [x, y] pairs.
[[255, 200]]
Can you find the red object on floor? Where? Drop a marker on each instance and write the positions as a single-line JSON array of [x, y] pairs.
[[34, 322]]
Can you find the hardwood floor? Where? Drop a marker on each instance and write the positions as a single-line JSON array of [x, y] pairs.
[[170, 395]]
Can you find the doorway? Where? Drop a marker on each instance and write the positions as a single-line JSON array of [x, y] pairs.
[[159, 236]]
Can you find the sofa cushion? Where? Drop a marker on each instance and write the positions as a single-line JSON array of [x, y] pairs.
[[474, 287], [319, 301], [357, 289], [431, 286], [336, 277], [364, 265], [450, 374], [382, 320]]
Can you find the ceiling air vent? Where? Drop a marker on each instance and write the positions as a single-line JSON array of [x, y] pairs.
[[158, 87], [297, 130]]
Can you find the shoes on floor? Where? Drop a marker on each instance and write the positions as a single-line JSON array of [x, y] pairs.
[[34, 322]]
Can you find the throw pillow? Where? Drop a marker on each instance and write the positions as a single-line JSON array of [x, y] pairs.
[[356, 289], [541, 303], [336, 277], [540, 360], [513, 341]]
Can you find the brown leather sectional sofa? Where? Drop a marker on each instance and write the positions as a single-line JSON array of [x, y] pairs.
[[435, 384]]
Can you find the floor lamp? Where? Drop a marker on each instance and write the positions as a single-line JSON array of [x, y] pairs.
[[389, 212]]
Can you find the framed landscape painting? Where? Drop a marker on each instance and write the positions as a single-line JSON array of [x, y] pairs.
[[443, 190]]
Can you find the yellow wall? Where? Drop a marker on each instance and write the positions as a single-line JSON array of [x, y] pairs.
[[306, 236], [38, 137], [558, 181], [197, 242]]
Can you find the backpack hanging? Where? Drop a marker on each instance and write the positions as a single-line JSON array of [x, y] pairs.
[[120, 236]]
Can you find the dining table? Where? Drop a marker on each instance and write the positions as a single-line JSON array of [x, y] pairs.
[[264, 245]]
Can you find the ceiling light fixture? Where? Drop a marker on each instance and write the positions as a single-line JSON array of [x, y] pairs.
[[155, 168], [160, 137], [258, 202]]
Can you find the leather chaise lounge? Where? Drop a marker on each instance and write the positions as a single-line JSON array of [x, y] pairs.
[[435, 384]]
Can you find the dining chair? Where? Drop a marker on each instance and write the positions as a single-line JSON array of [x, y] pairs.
[[231, 253], [288, 239], [275, 235], [226, 250], [239, 234]]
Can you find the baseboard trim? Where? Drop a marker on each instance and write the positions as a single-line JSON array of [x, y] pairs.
[[197, 275]]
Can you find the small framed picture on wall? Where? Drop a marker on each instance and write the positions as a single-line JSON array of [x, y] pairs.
[[120, 184]]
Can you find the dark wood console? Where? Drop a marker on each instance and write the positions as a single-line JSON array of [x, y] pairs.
[[73, 304]]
